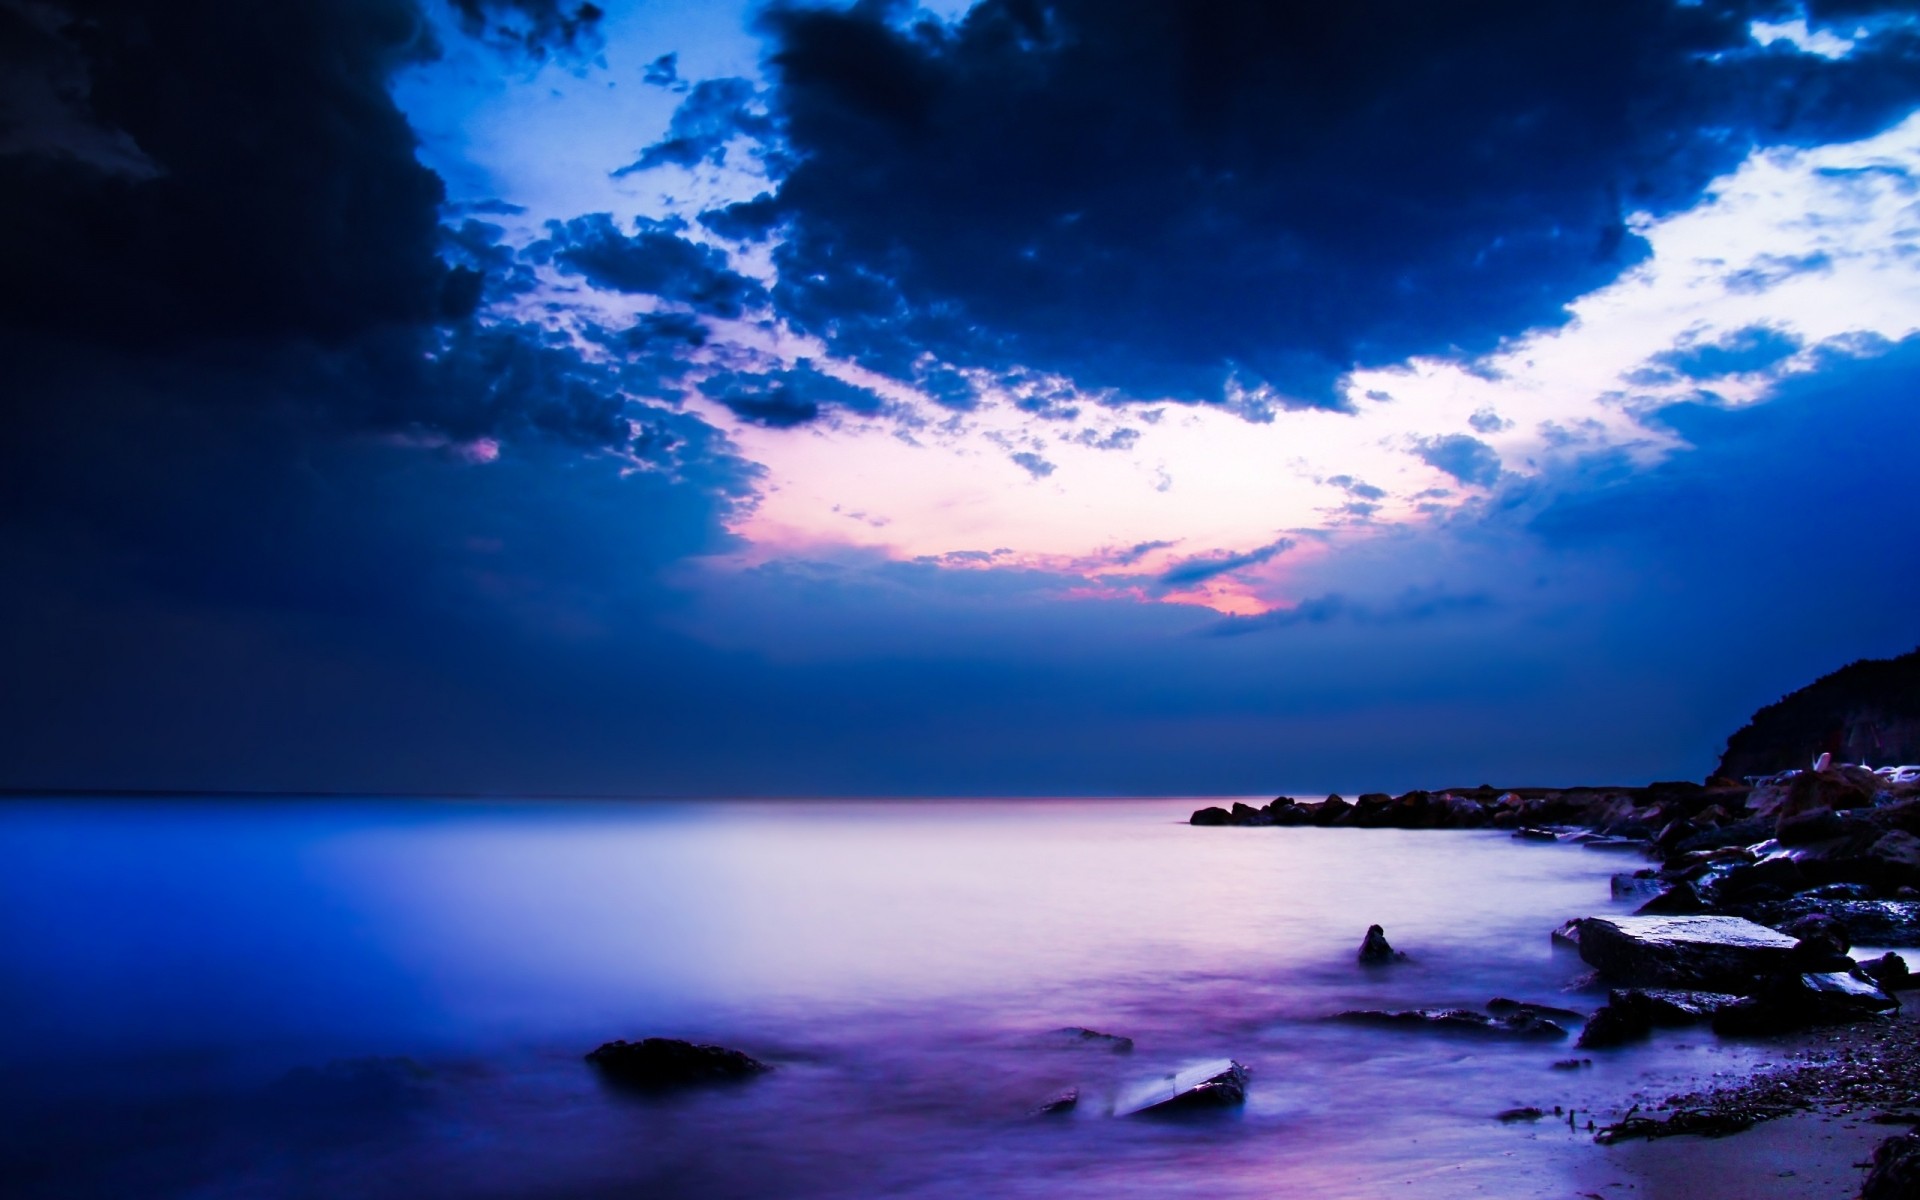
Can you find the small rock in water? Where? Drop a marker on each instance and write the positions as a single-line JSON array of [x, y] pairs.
[[1511, 1115], [1374, 949], [1079, 1035], [1572, 1064], [1063, 1102], [1217, 1083], [669, 1062]]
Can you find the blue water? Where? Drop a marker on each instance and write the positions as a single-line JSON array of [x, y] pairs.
[[367, 999]]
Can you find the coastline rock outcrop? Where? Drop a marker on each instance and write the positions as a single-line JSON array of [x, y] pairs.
[[1867, 711], [661, 1063]]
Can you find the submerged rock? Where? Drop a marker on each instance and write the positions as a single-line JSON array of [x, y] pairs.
[[1063, 1102], [669, 1062], [1529, 1113], [1712, 953], [1524, 1024], [1631, 1014], [1216, 1083], [1211, 815], [1374, 948], [1081, 1036]]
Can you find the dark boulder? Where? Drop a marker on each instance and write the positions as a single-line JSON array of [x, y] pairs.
[[1458, 1020], [1824, 926], [1785, 1003], [1217, 1083], [1211, 816], [669, 1062], [1889, 971], [1632, 1013], [1374, 949], [1712, 953], [1679, 900], [1895, 1174], [1867, 922], [1500, 1006]]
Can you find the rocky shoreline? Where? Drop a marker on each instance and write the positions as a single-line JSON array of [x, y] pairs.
[[1757, 892]]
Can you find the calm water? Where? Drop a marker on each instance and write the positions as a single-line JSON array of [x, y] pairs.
[[391, 1000]]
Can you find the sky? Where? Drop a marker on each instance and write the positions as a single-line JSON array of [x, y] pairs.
[[1016, 398]]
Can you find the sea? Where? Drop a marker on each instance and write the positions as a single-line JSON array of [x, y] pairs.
[[392, 998]]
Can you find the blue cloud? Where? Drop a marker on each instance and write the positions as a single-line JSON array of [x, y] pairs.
[[1754, 348], [1210, 566], [1467, 459]]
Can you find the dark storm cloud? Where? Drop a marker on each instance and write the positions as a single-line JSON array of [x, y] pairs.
[[1157, 196], [1467, 459], [230, 346], [745, 220], [536, 27], [1210, 566], [793, 396], [654, 260]]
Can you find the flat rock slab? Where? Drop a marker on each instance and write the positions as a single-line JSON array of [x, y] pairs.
[[1712, 953], [1216, 1083]]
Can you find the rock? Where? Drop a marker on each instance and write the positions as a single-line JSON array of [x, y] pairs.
[[1638, 885], [1217, 1083], [1531, 834], [1712, 953], [1331, 810], [1813, 825], [1632, 1013], [1500, 1006], [1374, 949], [1889, 971], [1895, 1174], [1614, 1025], [1246, 814], [1572, 1064], [1511, 1115], [1063, 1102], [1790, 1002], [1898, 848], [1458, 1020], [1824, 926], [1077, 1035], [1211, 816], [669, 1062], [1867, 922], [1741, 833], [1679, 900], [1769, 879]]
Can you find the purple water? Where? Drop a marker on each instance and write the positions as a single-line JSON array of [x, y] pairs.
[[391, 1000]]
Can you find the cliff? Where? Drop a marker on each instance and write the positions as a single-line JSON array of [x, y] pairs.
[[1866, 712]]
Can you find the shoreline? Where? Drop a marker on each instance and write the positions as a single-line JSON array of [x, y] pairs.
[[1817, 861]]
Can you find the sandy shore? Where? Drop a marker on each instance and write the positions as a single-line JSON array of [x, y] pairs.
[[1813, 1127]]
